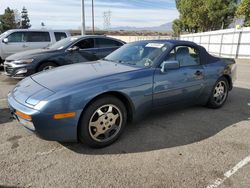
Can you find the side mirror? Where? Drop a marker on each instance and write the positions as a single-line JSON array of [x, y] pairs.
[[169, 65], [75, 48], [5, 40]]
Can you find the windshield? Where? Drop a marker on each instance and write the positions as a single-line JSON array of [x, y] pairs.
[[139, 54], [62, 43], [4, 34]]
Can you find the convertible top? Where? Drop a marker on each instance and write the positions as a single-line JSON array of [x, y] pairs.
[[206, 58]]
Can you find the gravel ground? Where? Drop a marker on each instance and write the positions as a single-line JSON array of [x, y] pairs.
[[189, 147]]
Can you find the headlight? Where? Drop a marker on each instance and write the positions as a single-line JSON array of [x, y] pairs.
[[25, 61]]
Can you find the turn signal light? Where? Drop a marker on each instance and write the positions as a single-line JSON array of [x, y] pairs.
[[65, 115], [23, 115]]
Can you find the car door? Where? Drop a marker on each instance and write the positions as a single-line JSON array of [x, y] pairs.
[[85, 52], [183, 84], [37, 39], [16, 43], [105, 46]]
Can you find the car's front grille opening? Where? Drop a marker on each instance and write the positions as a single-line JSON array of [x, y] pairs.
[[8, 69]]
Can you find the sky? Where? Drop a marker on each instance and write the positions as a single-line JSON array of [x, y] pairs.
[[66, 14]]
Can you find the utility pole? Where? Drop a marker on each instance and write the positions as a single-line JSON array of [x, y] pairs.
[[83, 19], [93, 18]]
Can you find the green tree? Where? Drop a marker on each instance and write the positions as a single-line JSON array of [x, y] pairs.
[[244, 10], [25, 21], [205, 15], [220, 13], [177, 27], [7, 20]]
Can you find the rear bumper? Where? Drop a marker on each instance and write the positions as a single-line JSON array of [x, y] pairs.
[[43, 124]]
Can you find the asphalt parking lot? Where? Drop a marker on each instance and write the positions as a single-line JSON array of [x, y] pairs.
[[188, 147]]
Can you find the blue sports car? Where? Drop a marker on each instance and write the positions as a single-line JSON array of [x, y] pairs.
[[93, 101]]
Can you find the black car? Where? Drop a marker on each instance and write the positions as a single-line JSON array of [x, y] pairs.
[[67, 51]]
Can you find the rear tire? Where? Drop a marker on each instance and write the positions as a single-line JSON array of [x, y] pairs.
[[102, 122], [219, 93], [46, 66]]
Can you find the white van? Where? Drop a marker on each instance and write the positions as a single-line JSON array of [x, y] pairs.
[[18, 40]]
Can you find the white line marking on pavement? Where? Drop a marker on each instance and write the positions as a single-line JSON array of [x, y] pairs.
[[229, 173], [3, 99], [248, 104]]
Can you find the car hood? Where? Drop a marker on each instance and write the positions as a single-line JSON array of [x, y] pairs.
[[29, 54], [29, 92], [69, 76]]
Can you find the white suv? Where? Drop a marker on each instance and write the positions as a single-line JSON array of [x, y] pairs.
[[18, 40]]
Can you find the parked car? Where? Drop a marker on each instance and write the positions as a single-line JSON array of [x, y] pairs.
[[67, 51], [93, 101], [18, 40]]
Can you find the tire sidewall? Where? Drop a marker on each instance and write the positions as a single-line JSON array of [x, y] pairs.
[[83, 130]]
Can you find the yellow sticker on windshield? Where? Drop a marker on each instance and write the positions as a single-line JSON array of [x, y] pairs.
[[155, 45]]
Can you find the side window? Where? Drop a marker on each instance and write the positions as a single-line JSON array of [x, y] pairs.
[[172, 55], [38, 36], [105, 43], [17, 37], [60, 35], [85, 44], [185, 55]]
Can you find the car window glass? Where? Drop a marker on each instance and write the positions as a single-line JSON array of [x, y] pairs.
[[4, 34], [17, 37], [142, 54], [172, 55], [185, 55], [60, 35], [38, 37], [63, 43], [105, 43], [85, 44]]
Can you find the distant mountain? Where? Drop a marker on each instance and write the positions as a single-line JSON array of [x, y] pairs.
[[162, 28]]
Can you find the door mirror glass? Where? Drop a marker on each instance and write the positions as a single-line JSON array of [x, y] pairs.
[[74, 48], [169, 65], [5, 40]]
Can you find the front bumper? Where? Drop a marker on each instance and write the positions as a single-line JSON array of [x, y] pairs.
[[14, 106], [43, 124], [26, 123], [17, 70]]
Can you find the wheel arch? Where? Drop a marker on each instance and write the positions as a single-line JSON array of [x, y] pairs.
[[229, 80], [45, 61]]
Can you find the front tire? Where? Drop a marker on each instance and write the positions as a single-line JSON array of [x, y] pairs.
[[219, 93], [102, 122]]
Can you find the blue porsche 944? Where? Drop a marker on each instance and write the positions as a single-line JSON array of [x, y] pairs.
[[92, 102]]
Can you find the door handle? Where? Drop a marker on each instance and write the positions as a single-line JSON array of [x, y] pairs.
[[198, 73]]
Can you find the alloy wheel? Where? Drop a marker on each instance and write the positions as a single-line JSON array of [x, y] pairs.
[[220, 92], [105, 123]]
